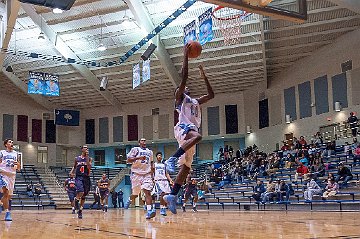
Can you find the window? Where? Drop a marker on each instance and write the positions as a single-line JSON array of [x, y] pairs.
[[42, 155], [120, 156], [99, 158]]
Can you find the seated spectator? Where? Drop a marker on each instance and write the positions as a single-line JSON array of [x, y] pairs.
[[332, 188], [258, 190], [347, 149], [282, 189], [301, 171], [38, 189], [318, 169], [289, 161], [318, 139], [302, 142], [29, 190], [304, 160], [225, 180], [269, 194], [344, 174], [312, 188], [274, 166], [356, 155]]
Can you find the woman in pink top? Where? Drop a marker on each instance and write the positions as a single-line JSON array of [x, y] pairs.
[[331, 189]]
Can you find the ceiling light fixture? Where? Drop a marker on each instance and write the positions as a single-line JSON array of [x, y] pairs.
[[102, 46], [41, 36], [57, 10]]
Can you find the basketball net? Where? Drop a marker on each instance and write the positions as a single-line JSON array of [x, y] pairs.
[[229, 21]]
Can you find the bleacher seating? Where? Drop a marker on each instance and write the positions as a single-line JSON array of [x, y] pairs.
[[20, 199], [239, 195]]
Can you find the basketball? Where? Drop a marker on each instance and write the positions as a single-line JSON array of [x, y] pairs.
[[195, 49]]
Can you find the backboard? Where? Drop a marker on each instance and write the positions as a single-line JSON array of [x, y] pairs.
[[291, 10]]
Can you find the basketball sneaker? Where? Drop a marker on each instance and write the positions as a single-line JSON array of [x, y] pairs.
[[163, 211], [80, 214], [171, 164], [150, 214], [171, 202], [73, 211], [194, 209], [8, 216], [77, 205], [105, 209], [127, 204], [183, 208]]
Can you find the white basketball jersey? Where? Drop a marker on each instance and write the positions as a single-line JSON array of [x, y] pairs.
[[189, 111], [8, 161], [141, 166], [160, 171]]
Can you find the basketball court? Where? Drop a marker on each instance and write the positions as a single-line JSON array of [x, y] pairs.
[[204, 224], [94, 53]]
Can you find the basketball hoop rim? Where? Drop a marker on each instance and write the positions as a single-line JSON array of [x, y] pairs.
[[218, 8]]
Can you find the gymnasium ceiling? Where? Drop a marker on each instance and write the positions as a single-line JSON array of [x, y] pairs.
[[230, 68]]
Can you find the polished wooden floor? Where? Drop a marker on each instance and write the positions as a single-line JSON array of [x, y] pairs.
[[203, 224]]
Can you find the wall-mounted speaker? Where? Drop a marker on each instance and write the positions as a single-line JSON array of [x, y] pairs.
[[148, 52]]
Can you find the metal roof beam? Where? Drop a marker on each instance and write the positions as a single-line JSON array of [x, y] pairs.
[[142, 16], [67, 52]]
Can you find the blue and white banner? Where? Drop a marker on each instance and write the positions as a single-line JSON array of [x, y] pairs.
[[190, 32], [51, 85], [146, 70], [205, 27], [36, 83], [136, 75], [67, 117]]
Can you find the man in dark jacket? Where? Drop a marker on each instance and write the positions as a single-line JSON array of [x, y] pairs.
[[352, 121], [114, 198], [344, 174], [258, 190]]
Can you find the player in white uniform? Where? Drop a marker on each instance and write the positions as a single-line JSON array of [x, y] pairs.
[[141, 159], [162, 179], [8, 165], [186, 130]]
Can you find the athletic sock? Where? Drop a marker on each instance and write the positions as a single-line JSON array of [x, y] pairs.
[[148, 207], [194, 204], [184, 204], [178, 153], [176, 188], [162, 206]]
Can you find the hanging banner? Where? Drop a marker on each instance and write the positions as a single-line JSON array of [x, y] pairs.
[[205, 27], [51, 85], [146, 70], [190, 32], [36, 83], [136, 75]]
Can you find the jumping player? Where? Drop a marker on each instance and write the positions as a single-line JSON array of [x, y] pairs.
[[104, 184], [82, 167], [141, 159], [162, 179], [186, 130], [8, 165], [190, 191], [70, 188]]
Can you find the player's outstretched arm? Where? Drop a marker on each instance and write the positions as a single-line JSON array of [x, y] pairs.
[[74, 167], [210, 95], [184, 73]]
